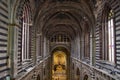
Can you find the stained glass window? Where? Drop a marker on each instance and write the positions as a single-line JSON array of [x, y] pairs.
[[25, 34], [111, 51]]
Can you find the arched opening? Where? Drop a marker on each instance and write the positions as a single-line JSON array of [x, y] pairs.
[[38, 77], [60, 64], [85, 77], [78, 74], [73, 66], [97, 78]]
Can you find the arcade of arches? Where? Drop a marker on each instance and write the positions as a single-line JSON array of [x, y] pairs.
[[59, 39]]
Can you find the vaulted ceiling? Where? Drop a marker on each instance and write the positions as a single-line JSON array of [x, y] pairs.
[[71, 17]]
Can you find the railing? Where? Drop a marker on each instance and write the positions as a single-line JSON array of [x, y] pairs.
[[108, 67], [101, 72], [32, 72]]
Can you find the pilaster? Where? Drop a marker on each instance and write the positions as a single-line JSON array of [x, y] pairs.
[[13, 49], [92, 49]]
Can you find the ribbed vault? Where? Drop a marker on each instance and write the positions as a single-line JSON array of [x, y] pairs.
[[69, 17]]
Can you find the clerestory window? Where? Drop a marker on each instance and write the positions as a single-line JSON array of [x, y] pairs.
[[111, 43], [25, 34]]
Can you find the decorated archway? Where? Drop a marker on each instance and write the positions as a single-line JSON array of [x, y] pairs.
[[60, 65], [38, 77], [85, 77]]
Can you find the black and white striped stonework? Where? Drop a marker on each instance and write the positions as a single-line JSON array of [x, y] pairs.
[[19, 55], [116, 7], [98, 39], [19, 62], [20, 66], [3, 39], [98, 45]]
